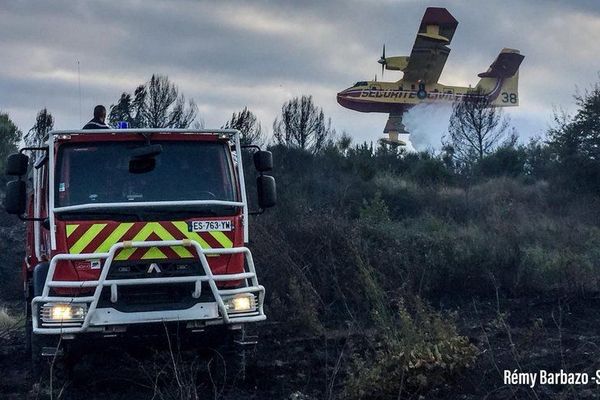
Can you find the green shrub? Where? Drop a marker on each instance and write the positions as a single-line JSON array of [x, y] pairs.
[[419, 350]]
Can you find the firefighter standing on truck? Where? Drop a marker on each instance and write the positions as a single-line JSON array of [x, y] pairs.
[[99, 117]]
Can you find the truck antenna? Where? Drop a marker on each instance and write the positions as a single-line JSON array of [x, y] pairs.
[[79, 89]]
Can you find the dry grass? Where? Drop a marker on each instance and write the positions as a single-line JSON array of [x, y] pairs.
[[7, 323]]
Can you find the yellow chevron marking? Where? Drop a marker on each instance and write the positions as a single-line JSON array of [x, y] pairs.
[[71, 228], [193, 236], [222, 238], [153, 252], [114, 237], [165, 235], [140, 237], [148, 229], [183, 228], [86, 238]]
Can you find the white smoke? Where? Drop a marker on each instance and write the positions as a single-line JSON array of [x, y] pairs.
[[427, 124]]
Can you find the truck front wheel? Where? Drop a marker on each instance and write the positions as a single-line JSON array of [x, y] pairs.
[[235, 358], [51, 361]]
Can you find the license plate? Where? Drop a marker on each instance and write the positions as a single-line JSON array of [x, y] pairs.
[[207, 226]]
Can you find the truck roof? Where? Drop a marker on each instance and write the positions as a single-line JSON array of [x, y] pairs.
[[229, 132]]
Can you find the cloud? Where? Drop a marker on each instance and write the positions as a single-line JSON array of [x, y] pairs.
[[227, 55]]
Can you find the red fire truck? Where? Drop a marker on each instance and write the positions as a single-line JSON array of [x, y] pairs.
[[134, 228]]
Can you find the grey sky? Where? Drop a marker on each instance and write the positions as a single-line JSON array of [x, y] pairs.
[[227, 55]]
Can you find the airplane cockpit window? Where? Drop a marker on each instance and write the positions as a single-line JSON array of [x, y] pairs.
[[361, 83]]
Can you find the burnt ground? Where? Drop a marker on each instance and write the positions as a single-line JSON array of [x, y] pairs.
[[527, 334]]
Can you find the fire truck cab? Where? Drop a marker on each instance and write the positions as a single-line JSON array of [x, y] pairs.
[[130, 228]]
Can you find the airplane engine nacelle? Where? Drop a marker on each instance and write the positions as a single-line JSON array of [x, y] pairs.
[[396, 63]]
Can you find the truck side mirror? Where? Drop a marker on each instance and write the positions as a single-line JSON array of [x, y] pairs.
[[263, 161], [15, 201], [16, 164], [267, 192]]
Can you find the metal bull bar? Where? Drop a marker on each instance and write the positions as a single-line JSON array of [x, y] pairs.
[[151, 316]]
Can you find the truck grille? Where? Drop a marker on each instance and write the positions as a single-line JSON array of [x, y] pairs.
[[158, 297], [150, 269]]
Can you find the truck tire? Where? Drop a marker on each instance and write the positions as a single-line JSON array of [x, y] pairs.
[[235, 359], [28, 326], [40, 272], [39, 369], [227, 367], [40, 365], [236, 363], [47, 369], [52, 371], [55, 371]]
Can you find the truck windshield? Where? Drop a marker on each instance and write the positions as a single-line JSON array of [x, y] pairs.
[[184, 171]]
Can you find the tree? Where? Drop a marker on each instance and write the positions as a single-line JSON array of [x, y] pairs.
[[302, 125], [10, 136], [130, 109], [343, 143], [575, 143], [155, 104], [540, 163], [38, 134], [476, 128], [250, 128], [121, 112], [506, 160]]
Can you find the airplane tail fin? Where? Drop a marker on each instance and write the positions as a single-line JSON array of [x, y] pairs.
[[501, 81]]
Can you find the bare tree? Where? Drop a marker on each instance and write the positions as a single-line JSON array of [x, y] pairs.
[[476, 128], [303, 125], [165, 107], [155, 104], [38, 134], [250, 128]]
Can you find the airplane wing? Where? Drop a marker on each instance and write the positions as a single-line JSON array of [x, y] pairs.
[[430, 51]]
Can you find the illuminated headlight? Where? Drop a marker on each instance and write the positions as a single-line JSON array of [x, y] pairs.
[[241, 303], [61, 312]]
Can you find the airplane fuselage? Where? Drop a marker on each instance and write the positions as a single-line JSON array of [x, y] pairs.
[[397, 97]]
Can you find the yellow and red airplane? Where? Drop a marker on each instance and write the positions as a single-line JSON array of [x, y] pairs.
[[422, 69]]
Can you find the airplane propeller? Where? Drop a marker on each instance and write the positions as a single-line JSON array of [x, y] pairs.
[[382, 60]]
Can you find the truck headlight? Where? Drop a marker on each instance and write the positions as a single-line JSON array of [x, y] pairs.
[[63, 312], [245, 302]]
